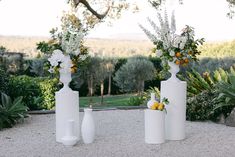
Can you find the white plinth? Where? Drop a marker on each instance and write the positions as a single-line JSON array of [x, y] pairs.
[[175, 91], [154, 126], [67, 108]]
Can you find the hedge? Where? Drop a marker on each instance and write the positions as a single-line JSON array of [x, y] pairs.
[[38, 93]]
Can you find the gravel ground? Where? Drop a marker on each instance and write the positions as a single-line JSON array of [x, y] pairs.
[[119, 133]]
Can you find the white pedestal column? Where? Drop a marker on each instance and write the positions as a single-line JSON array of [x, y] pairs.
[[154, 126], [67, 108], [175, 92]]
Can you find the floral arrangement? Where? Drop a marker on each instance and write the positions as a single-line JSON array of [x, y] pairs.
[[59, 61], [160, 105], [171, 47], [69, 54]]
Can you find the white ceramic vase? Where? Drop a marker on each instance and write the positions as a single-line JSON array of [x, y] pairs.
[[65, 78], [69, 139], [151, 101], [154, 126], [88, 127], [174, 69]]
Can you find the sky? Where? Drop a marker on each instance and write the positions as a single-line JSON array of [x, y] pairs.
[[37, 17]]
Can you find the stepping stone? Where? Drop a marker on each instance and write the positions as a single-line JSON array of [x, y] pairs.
[[230, 120]]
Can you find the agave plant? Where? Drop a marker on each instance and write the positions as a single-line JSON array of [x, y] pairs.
[[11, 111], [198, 83], [226, 97]]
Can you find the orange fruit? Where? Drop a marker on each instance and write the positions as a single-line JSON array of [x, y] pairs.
[[177, 62], [178, 54], [186, 60]]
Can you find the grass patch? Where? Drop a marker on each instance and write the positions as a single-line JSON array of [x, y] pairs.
[[109, 101]]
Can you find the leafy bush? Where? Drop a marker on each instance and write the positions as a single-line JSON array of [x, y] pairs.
[[135, 101], [4, 81], [38, 93], [37, 67], [210, 96], [200, 106], [132, 75], [48, 87], [226, 98], [11, 111]]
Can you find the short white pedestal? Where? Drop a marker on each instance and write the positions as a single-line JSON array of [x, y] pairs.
[[67, 108], [175, 92], [154, 126]]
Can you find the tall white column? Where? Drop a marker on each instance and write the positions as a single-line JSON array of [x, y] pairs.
[[175, 92], [67, 108]]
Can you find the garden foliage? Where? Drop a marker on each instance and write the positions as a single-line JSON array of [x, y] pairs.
[[37, 93], [132, 75], [11, 111], [210, 94]]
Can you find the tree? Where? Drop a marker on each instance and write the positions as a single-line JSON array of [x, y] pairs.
[[110, 68], [2, 49], [89, 73], [132, 75], [93, 12], [101, 74]]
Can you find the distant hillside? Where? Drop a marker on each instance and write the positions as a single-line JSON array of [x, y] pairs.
[[21, 44], [118, 47], [100, 47], [114, 47]]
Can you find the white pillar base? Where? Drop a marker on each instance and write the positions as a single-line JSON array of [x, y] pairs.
[[154, 126], [175, 92], [67, 108]]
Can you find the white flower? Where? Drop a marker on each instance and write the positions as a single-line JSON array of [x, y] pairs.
[[172, 53], [83, 57], [159, 53], [66, 63], [183, 42], [77, 52]]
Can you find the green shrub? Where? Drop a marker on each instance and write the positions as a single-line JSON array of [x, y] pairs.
[[200, 106], [11, 111], [38, 93], [132, 75], [226, 99], [48, 87], [4, 81], [135, 101], [210, 96]]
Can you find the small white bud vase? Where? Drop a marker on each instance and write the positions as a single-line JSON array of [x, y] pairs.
[[174, 69], [151, 101], [88, 126], [69, 139]]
